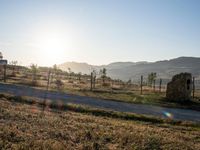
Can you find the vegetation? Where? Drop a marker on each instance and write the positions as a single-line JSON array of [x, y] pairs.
[[1, 55], [13, 64], [94, 74], [34, 70], [103, 75], [80, 84], [27, 127], [152, 78], [59, 84]]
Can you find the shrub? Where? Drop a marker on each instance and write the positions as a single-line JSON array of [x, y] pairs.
[[106, 84], [59, 84]]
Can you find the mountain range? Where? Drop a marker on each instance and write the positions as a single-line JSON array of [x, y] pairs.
[[133, 70]]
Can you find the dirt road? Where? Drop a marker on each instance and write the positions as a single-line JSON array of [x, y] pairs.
[[174, 113]]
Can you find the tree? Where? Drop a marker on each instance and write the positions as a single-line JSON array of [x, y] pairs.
[[129, 81], [79, 76], [55, 70], [151, 78], [54, 73], [1, 56], [59, 84], [55, 67], [103, 74], [91, 81], [34, 70], [94, 77], [70, 72], [13, 63]]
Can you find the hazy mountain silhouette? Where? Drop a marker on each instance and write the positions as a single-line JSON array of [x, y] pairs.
[[133, 70]]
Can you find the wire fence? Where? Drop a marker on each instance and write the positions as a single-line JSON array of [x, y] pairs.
[[66, 81]]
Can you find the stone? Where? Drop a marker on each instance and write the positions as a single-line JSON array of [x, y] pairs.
[[180, 88]]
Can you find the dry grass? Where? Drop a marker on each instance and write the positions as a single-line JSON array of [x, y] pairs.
[[125, 94], [25, 126], [148, 97]]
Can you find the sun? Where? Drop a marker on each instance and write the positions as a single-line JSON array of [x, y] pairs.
[[52, 47]]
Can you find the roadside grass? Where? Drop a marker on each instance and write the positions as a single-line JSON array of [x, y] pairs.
[[59, 106], [23, 125], [148, 97]]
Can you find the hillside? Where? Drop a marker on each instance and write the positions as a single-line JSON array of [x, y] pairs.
[[133, 70]]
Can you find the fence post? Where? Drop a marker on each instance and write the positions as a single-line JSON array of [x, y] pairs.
[[91, 81], [112, 85], [154, 85], [94, 82], [5, 67], [160, 86], [47, 88], [193, 88], [141, 84], [48, 80]]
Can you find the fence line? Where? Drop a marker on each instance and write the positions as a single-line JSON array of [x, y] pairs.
[[88, 81]]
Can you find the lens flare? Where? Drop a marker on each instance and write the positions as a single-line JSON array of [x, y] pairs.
[[168, 115]]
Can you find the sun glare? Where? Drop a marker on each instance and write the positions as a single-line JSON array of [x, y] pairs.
[[51, 47]]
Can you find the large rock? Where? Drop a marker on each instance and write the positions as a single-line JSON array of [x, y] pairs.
[[179, 89]]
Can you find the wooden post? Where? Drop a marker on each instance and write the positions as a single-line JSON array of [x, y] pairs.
[[141, 84], [154, 85], [94, 82], [193, 87], [112, 85], [5, 67], [91, 81], [160, 86], [48, 79], [47, 88]]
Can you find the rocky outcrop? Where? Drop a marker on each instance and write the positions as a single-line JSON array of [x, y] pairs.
[[179, 89]]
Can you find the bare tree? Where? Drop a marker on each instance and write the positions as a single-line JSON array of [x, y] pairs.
[[1, 56], [151, 78], [59, 84], [13, 64], [34, 70], [54, 73], [91, 81], [94, 78], [69, 72], [79, 76], [103, 74]]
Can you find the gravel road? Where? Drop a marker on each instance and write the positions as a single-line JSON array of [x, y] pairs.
[[173, 113]]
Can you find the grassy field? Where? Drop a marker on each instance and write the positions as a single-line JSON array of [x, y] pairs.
[[148, 97], [25, 126], [117, 91]]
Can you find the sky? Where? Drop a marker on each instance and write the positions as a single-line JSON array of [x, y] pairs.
[[47, 32]]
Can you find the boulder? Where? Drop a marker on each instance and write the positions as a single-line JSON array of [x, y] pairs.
[[180, 88]]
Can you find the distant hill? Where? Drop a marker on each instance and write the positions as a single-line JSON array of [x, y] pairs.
[[77, 67], [133, 70]]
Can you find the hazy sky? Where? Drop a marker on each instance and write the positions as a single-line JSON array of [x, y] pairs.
[[50, 32]]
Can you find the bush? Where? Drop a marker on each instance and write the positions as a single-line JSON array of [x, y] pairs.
[[106, 84], [59, 84], [70, 81], [34, 83]]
